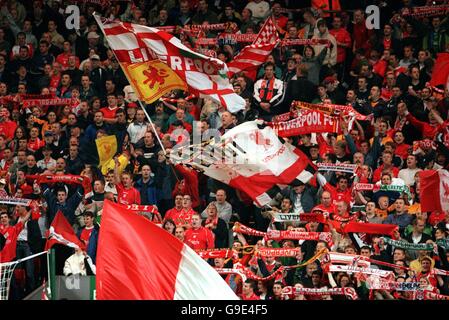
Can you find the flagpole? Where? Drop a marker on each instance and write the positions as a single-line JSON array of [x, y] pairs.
[[97, 18]]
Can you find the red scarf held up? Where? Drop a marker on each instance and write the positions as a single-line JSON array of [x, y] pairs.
[[371, 228], [84, 181]]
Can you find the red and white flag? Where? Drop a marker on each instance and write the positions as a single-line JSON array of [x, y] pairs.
[[434, 190], [253, 159], [137, 260], [252, 56], [156, 62], [61, 232]]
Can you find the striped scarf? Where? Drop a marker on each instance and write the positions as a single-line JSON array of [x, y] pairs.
[[407, 245]]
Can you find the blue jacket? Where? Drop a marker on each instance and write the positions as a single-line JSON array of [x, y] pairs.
[[307, 197], [67, 208], [151, 191], [402, 220]]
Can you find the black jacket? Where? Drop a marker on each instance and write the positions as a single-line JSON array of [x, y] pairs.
[[300, 89]]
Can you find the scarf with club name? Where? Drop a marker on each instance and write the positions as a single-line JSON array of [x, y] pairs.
[[330, 109], [298, 235], [407, 245], [15, 201], [217, 253], [383, 187], [367, 271], [84, 181], [337, 167], [295, 217], [292, 291], [370, 228], [278, 252]]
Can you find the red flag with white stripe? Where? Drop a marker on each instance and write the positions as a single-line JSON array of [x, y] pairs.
[[156, 62], [434, 190], [61, 232], [136, 260], [252, 56]]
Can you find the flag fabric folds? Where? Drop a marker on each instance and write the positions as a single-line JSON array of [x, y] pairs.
[[156, 62], [137, 260], [434, 190], [254, 161], [107, 148], [61, 232], [252, 56]]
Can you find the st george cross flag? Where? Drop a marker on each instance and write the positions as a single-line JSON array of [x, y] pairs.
[[61, 232], [137, 260], [434, 190], [254, 161], [156, 62], [252, 56]]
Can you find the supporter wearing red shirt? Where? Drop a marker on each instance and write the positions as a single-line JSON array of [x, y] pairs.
[[88, 228], [326, 204], [341, 192], [343, 39], [63, 58], [10, 233], [7, 127], [110, 110], [126, 193], [279, 18], [401, 147], [188, 185], [387, 165], [361, 33], [34, 143], [175, 212], [199, 237], [428, 130], [248, 291]]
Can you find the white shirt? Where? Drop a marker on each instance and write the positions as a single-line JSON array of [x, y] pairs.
[[260, 10], [408, 175], [137, 131]]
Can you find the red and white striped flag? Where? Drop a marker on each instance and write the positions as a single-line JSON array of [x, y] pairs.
[[253, 160], [252, 56], [156, 62], [137, 260], [434, 190]]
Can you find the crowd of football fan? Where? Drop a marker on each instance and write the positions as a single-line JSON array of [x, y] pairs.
[[382, 73]]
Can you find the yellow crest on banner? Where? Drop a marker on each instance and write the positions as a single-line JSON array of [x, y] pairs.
[[152, 79], [107, 148]]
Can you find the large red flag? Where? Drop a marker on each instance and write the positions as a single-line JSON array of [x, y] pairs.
[[434, 190], [137, 260], [61, 232], [440, 73]]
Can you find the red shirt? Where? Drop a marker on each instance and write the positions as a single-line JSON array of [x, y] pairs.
[[361, 34], [8, 128], [36, 144], [10, 233], [85, 235], [338, 195], [109, 113], [281, 21], [63, 59], [402, 150], [200, 239], [180, 217], [251, 297], [127, 196], [378, 172], [342, 36]]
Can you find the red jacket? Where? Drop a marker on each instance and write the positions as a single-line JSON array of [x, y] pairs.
[[188, 184], [10, 233], [199, 239], [342, 36], [361, 35]]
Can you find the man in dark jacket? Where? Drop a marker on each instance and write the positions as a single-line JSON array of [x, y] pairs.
[[59, 202], [146, 186], [299, 88], [301, 196]]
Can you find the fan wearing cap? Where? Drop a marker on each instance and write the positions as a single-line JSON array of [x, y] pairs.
[[301, 196], [98, 74]]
